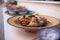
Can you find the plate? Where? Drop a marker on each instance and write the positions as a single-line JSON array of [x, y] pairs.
[[52, 22], [18, 13]]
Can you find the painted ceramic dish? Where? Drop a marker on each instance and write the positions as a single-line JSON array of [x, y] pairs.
[[17, 12], [12, 21], [48, 34], [14, 10]]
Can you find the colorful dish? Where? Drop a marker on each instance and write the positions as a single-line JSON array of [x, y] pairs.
[[15, 21], [48, 34], [13, 9]]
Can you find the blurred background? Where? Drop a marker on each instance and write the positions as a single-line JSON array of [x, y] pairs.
[[1, 15], [32, 0]]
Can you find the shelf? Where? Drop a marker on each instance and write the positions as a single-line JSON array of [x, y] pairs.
[[47, 2]]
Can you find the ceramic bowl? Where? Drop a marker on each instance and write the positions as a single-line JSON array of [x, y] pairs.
[[52, 23]]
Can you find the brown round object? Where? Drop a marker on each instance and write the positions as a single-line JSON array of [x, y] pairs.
[[55, 21], [24, 23]]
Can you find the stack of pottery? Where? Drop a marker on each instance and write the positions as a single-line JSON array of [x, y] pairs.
[[13, 9]]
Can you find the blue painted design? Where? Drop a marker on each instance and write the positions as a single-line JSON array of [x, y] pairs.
[[30, 12], [7, 12], [19, 12], [48, 33]]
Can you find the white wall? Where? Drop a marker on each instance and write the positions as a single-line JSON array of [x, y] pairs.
[[45, 9]]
